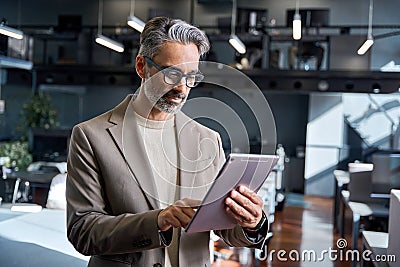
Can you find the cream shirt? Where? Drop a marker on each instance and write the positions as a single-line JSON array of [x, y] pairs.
[[160, 143]]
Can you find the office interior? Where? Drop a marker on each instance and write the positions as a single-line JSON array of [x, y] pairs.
[[330, 114]]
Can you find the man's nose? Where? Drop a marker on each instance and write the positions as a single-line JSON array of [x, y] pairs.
[[181, 86]]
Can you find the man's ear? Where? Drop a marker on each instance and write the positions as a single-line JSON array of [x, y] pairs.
[[140, 66]]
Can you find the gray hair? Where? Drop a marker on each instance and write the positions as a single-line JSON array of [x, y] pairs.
[[162, 29]]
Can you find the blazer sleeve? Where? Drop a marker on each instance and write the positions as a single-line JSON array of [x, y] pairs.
[[236, 237], [91, 228]]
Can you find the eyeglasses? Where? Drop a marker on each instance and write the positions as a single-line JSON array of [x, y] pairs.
[[173, 76]]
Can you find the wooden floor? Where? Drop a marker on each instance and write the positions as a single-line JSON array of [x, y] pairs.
[[304, 228], [301, 230]]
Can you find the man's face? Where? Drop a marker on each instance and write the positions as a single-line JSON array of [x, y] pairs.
[[176, 57]]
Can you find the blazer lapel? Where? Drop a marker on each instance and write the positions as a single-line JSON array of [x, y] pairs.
[[129, 141]]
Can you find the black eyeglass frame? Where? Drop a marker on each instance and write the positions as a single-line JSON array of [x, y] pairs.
[[198, 77]]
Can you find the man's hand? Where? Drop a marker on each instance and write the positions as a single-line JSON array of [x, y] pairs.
[[178, 214], [245, 206]]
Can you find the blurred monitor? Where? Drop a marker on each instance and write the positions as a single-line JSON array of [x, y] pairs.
[[386, 174], [49, 145], [309, 17]]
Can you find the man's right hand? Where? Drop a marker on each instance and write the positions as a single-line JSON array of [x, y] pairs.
[[178, 214]]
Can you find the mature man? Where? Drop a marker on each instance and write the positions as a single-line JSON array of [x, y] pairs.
[[136, 172]]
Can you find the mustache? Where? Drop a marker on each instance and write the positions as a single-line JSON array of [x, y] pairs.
[[175, 93]]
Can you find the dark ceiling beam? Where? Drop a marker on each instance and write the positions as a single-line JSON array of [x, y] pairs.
[[326, 81], [267, 80]]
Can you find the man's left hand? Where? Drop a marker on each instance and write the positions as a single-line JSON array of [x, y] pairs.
[[245, 206]]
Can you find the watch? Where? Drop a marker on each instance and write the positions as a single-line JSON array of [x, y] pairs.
[[261, 228]]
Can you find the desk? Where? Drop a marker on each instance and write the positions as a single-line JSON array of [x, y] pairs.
[[39, 183], [36, 239], [342, 179], [377, 243]]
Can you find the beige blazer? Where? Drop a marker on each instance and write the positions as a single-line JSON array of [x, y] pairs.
[[111, 197]]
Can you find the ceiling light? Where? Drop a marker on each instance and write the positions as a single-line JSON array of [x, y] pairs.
[[365, 46], [296, 31], [103, 40], [296, 27], [136, 23], [107, 42], [234, 39], [370, 39], [133, 21], [11, 32], [237, 44]]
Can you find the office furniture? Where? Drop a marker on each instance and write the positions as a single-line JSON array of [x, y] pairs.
[[359, 201], [376, 243], [386, 173], [36, 239], [342, 195], [34, 185], [9, 189], [394, 230], [341, 181], [385, 244], [364, 210]]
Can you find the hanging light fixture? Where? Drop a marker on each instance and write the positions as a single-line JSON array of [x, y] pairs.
[[133, 21], [11, 32], [103, 40], [297, 23], [370, 39], [234, 39]]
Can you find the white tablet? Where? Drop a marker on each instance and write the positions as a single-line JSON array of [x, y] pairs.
[[239, 169]]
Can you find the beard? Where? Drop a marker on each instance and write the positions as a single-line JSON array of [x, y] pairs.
[[162, 102]]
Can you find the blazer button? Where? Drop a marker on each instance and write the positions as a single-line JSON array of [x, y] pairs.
[[157, 264]]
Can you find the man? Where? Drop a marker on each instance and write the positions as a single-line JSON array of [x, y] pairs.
[[137, 172]]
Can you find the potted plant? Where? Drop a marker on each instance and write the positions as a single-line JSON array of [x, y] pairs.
[[15, 155], [39, 112]]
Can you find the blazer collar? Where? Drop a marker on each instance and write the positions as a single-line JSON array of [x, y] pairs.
[[126, 135]]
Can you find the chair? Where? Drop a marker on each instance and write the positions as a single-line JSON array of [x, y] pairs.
[[345, 192], [394, 230], [385, 244], [341, 183], [360, 202]]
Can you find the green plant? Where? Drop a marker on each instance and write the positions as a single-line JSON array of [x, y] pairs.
[[17, 152], [39, 112]]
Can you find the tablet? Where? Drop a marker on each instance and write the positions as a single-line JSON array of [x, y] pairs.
[[239, 169]]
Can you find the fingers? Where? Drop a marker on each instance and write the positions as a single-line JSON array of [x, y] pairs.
[[240, 214], [250, 194], [177, 215], [245, 206]]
